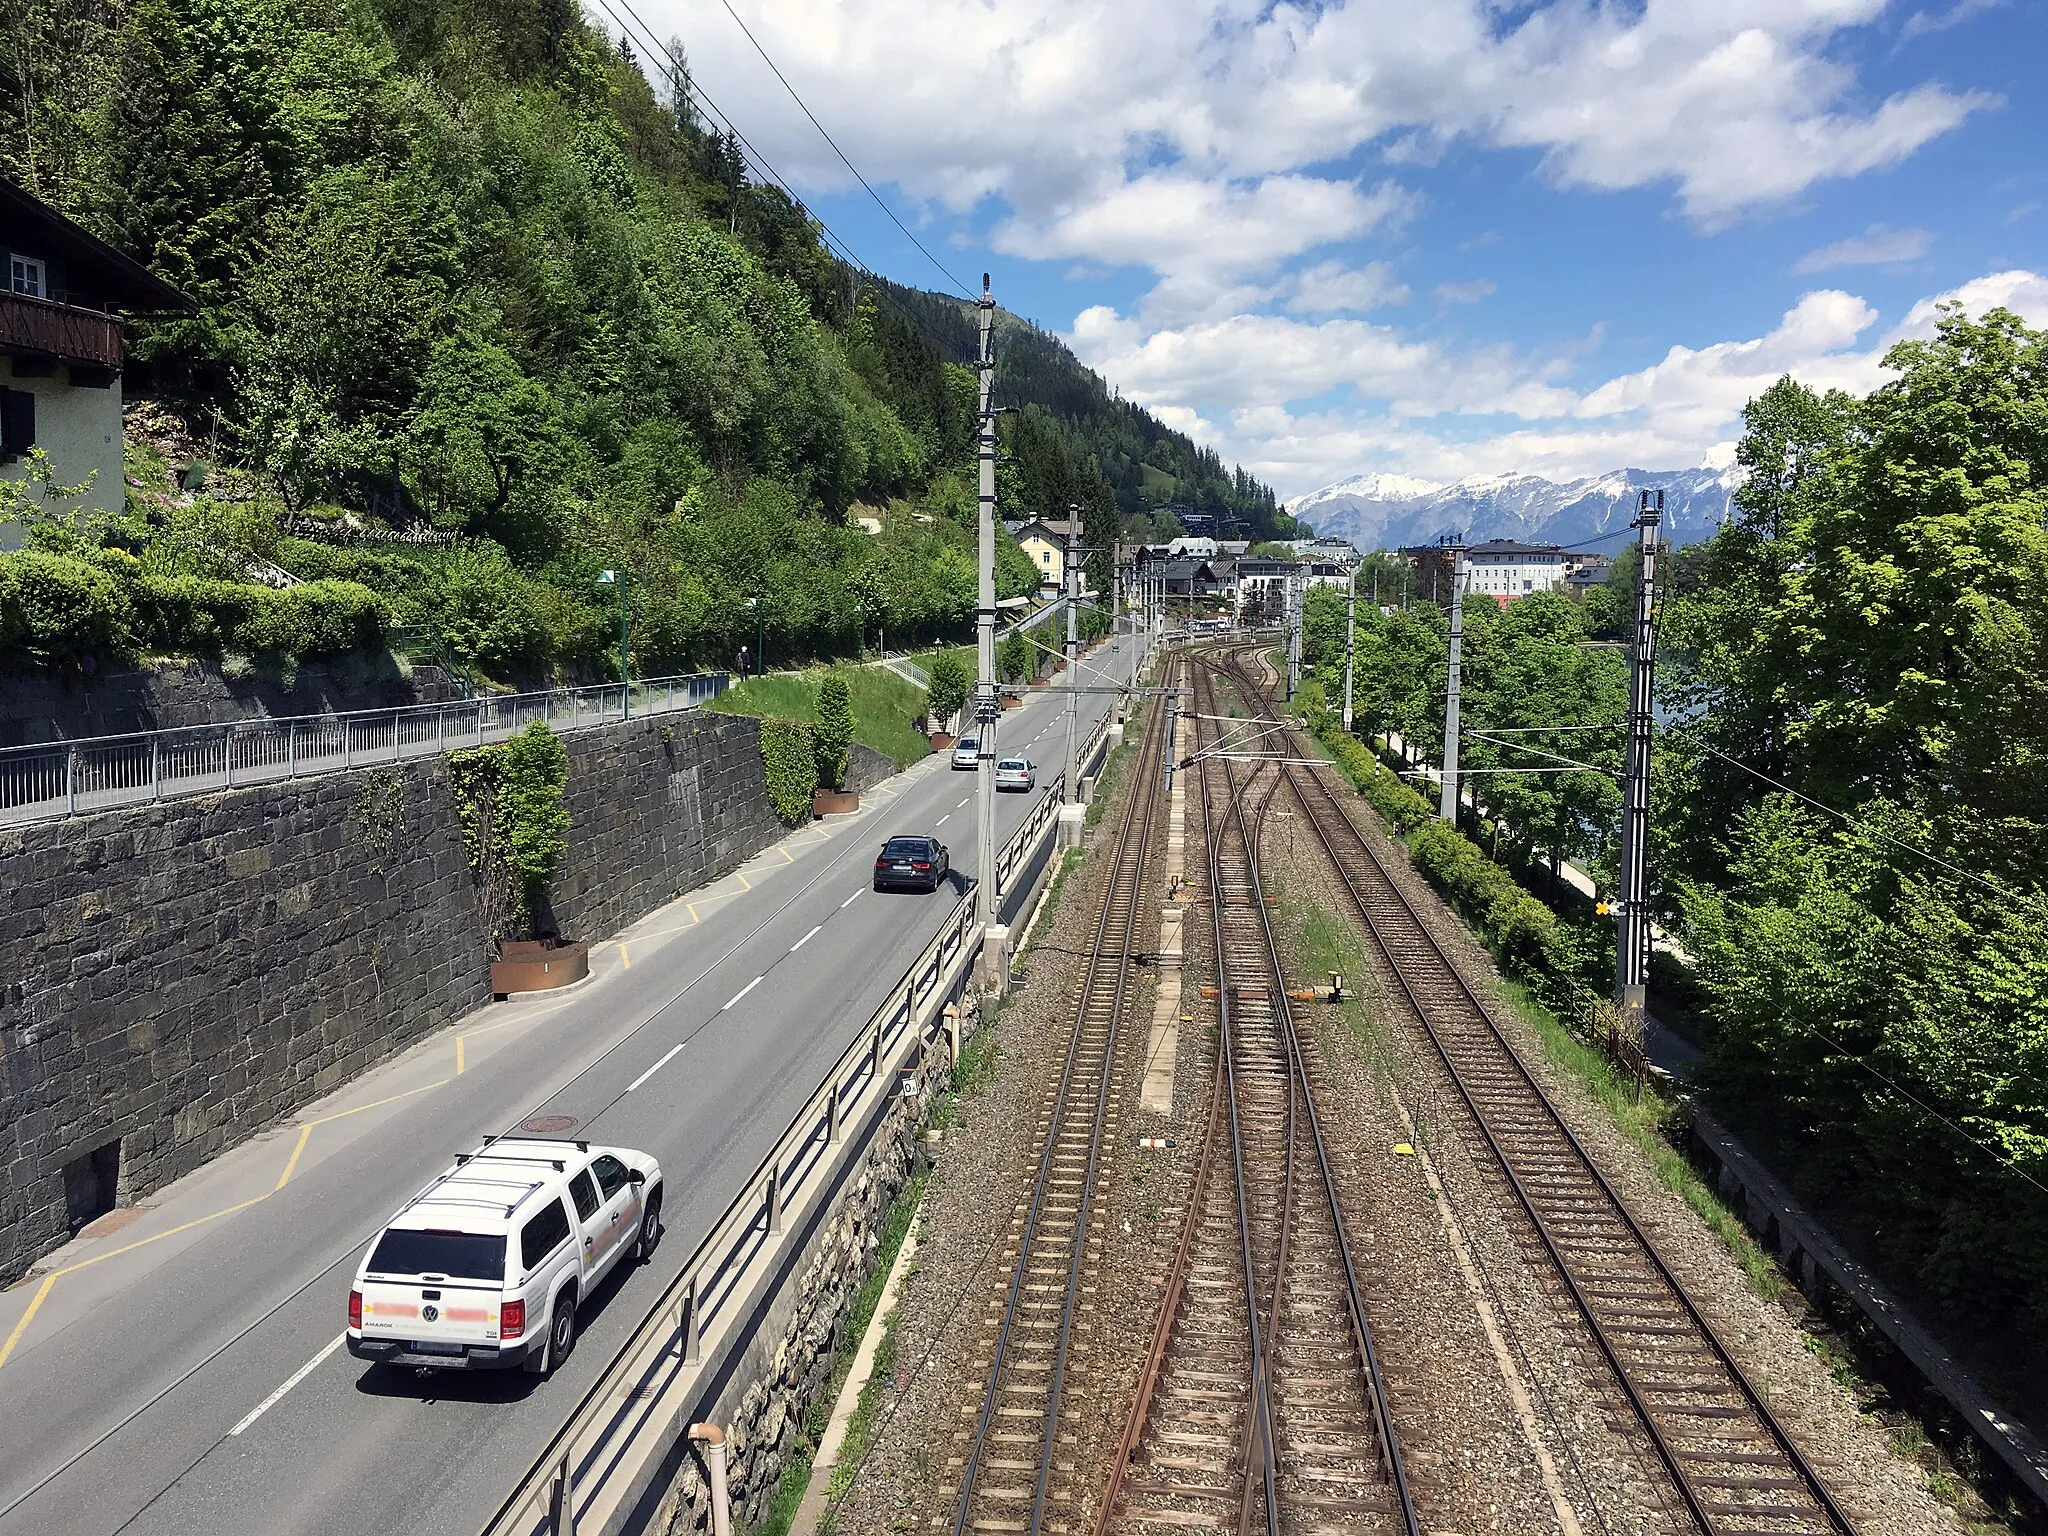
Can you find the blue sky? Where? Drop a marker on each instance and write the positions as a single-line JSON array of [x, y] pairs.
[[1425, 237]]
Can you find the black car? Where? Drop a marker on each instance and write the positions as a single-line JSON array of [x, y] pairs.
[[919, 863]]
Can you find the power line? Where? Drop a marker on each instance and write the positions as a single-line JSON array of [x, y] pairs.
[[2005, 893], [793, 96], [756, 162]]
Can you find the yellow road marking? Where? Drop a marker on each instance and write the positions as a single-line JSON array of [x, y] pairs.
[[458, 1055], [305, 1131], [22, 1327], [741, 876], [343, 1114], [625, 959]]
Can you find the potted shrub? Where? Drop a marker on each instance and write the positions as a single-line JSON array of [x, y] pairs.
[[832, 740], [515, 830]]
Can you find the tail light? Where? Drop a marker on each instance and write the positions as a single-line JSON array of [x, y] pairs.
[[512, 1320], [355, 1309], [920, 864]]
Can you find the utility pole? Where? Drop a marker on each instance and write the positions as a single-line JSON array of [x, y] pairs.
[[1350, 640], [1632, 938], [1448, 809], [994, 938], [1072, 791], [1295, 604]]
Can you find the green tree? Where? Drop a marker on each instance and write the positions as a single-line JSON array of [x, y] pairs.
[[947, 695]]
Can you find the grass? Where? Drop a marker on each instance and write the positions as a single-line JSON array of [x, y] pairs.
[[1105, 781], [1069, 862], [796, 1471], [886, 707]]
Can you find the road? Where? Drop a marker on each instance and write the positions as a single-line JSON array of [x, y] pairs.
[[181, 1373]]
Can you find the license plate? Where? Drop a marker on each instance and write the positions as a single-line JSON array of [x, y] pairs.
[[433, 1347], [903, 869]]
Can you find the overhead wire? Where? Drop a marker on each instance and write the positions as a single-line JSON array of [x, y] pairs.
[[682, 80], [793, 96]]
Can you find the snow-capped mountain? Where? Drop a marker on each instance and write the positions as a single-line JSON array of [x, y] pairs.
[[1392, 511]]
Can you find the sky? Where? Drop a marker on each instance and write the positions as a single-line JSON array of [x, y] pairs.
[[1434, 238]]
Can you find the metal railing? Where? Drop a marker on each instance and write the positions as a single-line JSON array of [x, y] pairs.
[[588, 1458], [593, 1446], [65, 778]]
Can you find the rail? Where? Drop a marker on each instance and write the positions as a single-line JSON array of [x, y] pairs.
[[66, 778], [1686, 1391], [587, 1462]]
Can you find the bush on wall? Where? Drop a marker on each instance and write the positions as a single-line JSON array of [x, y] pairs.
[[789, 760], [514, 824], [832, 736]]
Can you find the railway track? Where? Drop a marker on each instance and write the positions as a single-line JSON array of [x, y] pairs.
[[1736, 1470], [1012, 1471], [1260, 1403]]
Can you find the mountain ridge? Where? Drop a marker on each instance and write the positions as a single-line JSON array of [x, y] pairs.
[[1392, 511]]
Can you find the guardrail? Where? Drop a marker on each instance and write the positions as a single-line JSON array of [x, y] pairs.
[[585, 1471], [64, 778]]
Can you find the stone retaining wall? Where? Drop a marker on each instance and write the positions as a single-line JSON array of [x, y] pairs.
[[174, 978]]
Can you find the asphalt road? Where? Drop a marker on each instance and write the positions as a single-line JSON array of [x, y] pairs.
[[182, 1373]]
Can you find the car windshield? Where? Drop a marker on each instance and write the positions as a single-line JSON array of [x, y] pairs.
[[966, 744], [1017, 763], [458, 1255], [905, 848]]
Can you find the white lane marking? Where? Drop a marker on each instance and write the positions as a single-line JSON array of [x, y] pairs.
[[671, 1056], [849, 901], [743, 991], [943, 819], [295, 1378], [963, 803], [800, 943]]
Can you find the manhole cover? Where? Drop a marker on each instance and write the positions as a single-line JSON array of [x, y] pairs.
[[550, 1125]]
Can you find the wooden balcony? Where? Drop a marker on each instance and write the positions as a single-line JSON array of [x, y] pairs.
[[37, 330]]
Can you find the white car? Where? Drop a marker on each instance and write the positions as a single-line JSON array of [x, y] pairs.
[[1016, 773], [485, 1267], [967, 752]]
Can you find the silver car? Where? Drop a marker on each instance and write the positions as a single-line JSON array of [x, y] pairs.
[[1016, 773], [967, 752]]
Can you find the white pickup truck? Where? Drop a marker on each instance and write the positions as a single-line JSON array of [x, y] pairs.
[[485, 1267]]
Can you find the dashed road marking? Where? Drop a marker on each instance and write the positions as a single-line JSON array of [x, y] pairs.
[[293, 1380], [671, 1056], [849, 901], [743, 991], [800, 943]]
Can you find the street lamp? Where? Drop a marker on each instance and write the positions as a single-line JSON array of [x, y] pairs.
[[760, 634], [618, 579]]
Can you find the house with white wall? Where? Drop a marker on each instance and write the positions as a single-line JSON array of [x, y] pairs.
[[61, 346]]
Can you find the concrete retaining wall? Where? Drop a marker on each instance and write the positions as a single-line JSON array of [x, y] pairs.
[[174, 978]]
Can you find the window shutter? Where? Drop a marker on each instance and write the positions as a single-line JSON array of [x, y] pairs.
[[17, 422]]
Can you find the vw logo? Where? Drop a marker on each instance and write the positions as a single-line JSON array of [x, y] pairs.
[[430, 1312]]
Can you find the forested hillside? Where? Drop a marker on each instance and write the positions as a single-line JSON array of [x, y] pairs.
[[459, 266]]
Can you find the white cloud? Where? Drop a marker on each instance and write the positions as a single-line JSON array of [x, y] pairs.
[[1306, 404], [1331, 288], [1876, 246], [1464, 293], [1920, 23]]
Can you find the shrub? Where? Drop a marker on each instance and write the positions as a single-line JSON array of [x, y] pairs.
[[1013, 658], [514, 822], [791, 767], [330, 617], [64, 611], [948, 692], [833, 734]]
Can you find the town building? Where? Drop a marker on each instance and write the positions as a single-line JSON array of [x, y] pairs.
[[1586, 572], [1046, 543], [61, 347], [1504, 569]]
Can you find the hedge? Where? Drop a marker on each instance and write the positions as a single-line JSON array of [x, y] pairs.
[[63, 611], [1555, 958]]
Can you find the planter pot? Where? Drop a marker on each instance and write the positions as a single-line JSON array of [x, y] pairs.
[[941, 742], [1013, 701], [535, 965], [833, 802]]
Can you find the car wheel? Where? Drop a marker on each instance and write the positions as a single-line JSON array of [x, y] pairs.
[[650, 1229], [561, 1332]]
